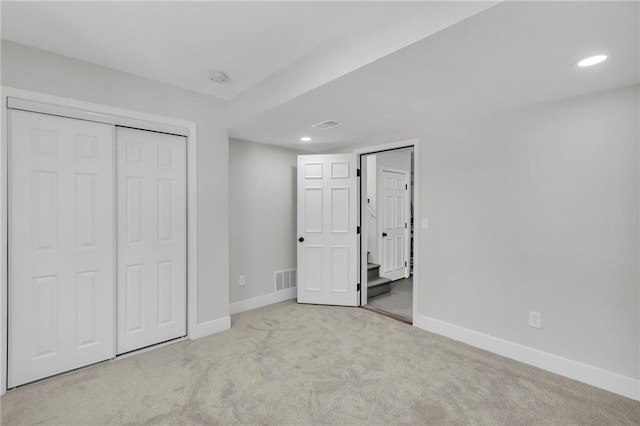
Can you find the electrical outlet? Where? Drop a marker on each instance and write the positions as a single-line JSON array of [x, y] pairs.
[[535, 319], [242, 280]]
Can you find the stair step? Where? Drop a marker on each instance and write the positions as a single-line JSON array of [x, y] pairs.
[[377, 282], [373, 271], [378, 286]]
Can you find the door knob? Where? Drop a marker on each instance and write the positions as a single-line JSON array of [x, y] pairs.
[[384, 234], [301, 239]]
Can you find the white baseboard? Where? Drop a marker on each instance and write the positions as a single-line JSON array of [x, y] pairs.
[[607, 380], [211, 327], [264, 300]]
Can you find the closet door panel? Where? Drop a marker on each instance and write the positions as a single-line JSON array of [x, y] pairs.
[[61, 237], [152, 234]]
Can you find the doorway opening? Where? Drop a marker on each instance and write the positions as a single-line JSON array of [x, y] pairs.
[[337, 261], [387, 219]]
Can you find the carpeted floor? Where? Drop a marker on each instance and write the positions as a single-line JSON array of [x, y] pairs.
[[302, 364], [399, 301]]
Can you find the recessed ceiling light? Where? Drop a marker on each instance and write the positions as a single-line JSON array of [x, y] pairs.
[[592, 60], [305, 139]]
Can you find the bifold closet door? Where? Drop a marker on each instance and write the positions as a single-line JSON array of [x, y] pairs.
[[152, 236], [61, 245]]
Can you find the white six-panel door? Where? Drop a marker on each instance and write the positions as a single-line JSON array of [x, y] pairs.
[[327, 220], [394, 218], [61, 237], [152, 234]]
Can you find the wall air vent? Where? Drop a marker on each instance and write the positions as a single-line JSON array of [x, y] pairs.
[[324, 125], [283, 280]]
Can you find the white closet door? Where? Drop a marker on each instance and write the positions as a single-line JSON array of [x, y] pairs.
[[61, 237], [152, 236]]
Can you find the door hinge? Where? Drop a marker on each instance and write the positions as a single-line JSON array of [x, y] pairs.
[[358, 286], [405, 263], [357, 229], [358, 172], [406, 186], [405, 225]]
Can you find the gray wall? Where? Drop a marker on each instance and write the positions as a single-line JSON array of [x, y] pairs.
[[262, 205], [538, 210], [33, 69]]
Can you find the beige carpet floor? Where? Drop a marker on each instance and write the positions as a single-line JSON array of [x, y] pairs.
[[302, 364]]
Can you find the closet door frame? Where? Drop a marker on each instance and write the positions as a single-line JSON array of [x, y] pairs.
[[27, 100]]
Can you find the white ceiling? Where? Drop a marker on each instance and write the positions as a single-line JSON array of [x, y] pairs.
[[510, 56], [181, 42]]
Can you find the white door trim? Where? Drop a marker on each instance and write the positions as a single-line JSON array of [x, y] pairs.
[[363, 277], [408, 143], [90, 114], [407, 215], [105, 114]]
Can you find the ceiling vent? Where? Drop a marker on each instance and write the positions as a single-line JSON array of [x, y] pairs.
[[324, 125]]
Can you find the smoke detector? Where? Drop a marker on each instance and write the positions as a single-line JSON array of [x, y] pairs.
[[218, 77], [324, 125]]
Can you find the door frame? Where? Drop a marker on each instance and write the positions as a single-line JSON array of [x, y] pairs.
[[360, 152], [40, 102], [407, 216]]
